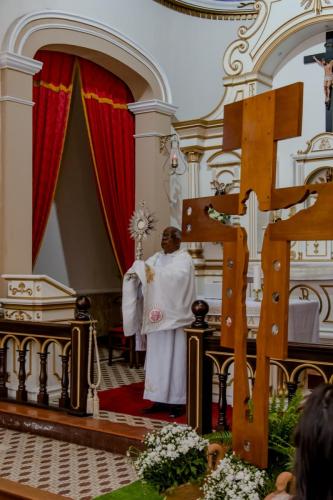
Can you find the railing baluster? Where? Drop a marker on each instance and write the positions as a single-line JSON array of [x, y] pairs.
[[43, 397], [222, 405], [21, 393], [64, 401], [3, 373]]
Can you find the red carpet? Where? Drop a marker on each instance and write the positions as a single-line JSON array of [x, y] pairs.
[[128, 399]]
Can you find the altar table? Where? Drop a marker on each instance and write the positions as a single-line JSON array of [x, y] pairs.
[[303, 322]]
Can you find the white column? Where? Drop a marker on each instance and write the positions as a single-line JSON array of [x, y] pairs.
[[16, 105], [152, 121], [193, 157]]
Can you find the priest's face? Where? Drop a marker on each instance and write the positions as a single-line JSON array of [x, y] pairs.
[[170, 243]]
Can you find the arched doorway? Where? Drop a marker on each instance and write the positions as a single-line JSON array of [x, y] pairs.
[[152, 108]]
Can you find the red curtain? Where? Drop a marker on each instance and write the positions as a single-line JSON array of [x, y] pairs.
[[111, 134], [52, 93]]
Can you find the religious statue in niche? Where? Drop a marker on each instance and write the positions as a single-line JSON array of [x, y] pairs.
[[328, 77], [256, 125]]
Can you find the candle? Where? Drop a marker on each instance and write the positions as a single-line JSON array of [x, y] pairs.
[[174, 160], [257, 278]]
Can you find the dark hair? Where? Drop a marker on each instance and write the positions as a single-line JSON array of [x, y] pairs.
[[314, 446], [176, 233]]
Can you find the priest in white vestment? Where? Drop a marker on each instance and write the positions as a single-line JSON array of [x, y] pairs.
[[157, 299]]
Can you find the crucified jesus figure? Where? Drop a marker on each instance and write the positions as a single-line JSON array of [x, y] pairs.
[[328, 77]]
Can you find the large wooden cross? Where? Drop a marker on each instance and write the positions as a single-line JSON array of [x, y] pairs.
[[255, 125]]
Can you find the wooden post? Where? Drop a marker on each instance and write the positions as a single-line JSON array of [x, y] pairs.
[[199, 372]]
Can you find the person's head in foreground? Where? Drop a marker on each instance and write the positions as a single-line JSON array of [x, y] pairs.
[[314, 446]]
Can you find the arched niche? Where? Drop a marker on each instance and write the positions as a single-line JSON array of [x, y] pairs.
[[114, 51]]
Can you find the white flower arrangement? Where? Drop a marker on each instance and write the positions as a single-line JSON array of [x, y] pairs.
[[174, 455], [234, 479]]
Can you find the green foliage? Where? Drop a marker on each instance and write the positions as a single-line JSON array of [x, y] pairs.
[[283, 419], [223, 437], [138, 489]]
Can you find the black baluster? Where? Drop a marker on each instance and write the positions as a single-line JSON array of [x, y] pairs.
[[21, 393], [43, 397], [222, 405], [3, 373], [64, 401], [292, 388]]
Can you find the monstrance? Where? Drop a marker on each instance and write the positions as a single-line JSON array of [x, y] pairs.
[[141, 224]]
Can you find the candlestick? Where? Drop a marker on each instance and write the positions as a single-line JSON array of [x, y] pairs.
[[257, 278]]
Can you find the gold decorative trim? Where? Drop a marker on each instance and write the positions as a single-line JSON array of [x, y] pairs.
[[36, 336], [48, 342], [323, 287], [311, 142], [197, 122], [36, 307], [193, 153], [54, 88], [24, 343], [205, 13], [21, 288], [104, 100], [315, 5], [307, 365], [78, 388], [283, 368], [215, 361], [291, 360], [196, 253], [18, 315], [197, 377], [313, 290]]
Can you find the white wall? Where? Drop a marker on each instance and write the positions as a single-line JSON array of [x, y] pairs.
[[292, 70], [189, 49]]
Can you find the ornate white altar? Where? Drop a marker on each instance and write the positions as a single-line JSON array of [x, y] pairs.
[[36, 298]]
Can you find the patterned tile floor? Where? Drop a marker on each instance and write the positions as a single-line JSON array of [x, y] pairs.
[[71, 470], [77, 472], [116, 375]]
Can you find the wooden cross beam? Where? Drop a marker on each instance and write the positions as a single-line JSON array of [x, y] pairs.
[[256, 124]]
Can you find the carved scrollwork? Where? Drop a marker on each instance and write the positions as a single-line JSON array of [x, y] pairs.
[[18, 315], [21, 289], [232, 65], [235, 67], [315, 5]]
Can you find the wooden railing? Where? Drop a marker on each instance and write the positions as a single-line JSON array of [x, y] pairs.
[[72, 340], [205, 354]]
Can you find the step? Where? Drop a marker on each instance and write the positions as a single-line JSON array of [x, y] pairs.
[[85, 431], [9, 490]]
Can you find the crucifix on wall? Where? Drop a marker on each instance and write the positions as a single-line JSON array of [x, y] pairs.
[[256, 125], [325, 59]]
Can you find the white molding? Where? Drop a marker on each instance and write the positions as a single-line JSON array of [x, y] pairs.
[[225, 6], [9, 60], [98, 291], [17, 100], [148, 134], [153, 105], [19, 33]]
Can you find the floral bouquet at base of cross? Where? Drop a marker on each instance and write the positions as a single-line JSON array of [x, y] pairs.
[[174, 455], [234, 479]]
